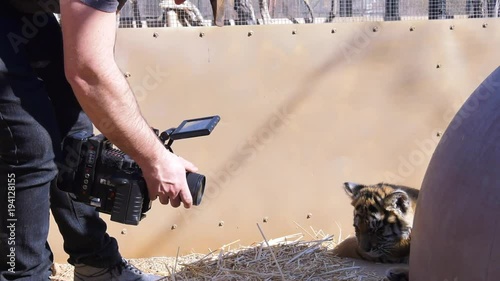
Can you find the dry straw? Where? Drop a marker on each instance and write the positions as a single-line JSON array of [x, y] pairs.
[[285, 258]]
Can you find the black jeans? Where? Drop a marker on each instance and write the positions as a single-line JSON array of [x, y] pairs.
[[38, 109]]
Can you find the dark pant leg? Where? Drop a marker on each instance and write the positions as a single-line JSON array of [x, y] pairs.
[[27, 127], [84, 233]]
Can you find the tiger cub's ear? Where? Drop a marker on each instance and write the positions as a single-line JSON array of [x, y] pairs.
[[398, 200], [352, 189]]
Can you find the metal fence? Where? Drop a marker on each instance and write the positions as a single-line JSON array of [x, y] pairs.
[[165, 13]]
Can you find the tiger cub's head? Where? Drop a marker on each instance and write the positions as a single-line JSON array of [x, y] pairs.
[[383, 218]]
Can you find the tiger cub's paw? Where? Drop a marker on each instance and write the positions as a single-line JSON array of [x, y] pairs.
[[397, 274]]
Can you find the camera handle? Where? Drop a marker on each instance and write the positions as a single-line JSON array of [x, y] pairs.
[[165, 136], [129, 200], [196, 182]]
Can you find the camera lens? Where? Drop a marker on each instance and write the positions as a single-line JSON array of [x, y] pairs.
[[196, 184]]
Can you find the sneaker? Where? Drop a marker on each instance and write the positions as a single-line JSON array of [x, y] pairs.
[[123, 271]]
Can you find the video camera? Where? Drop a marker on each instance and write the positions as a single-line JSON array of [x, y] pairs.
[[102, 176]]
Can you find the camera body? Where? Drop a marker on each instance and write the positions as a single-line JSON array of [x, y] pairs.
[[104, 177]]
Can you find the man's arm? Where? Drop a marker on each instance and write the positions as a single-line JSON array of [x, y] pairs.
[[105, 96]]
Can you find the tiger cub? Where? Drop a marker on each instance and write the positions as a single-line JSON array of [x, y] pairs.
[[383, 219]]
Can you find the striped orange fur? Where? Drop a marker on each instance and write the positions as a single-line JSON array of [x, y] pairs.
[[383, 219]]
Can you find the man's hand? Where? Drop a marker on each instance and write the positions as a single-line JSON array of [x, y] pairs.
[[167, 180], [178, 2]]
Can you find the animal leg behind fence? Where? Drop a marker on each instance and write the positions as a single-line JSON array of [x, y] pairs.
[[264, 11], [310, 10], [218, 11], [136, 13], [331, 15], [245, 12]]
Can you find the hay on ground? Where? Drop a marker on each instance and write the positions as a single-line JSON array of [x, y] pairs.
[[285, 258]]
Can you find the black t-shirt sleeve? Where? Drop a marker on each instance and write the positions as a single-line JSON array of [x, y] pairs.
[[109, 6], [52, 6]]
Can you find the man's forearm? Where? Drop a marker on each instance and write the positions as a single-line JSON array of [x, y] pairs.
[[100, 87], [107, 99]]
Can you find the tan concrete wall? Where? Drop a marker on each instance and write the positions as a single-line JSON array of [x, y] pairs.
[[300, 114]]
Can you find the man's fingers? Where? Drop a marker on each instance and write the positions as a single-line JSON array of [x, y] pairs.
[[188, 165], [186, 198], [151, 196], [152, 192], [164, 199], [175, 202]]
